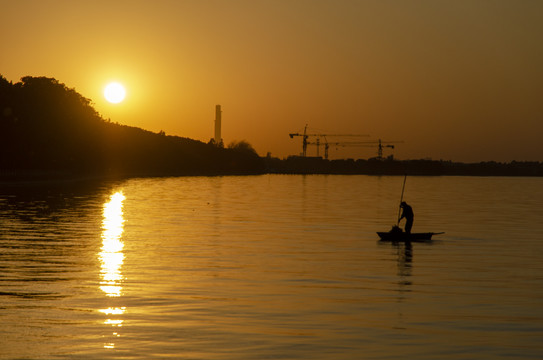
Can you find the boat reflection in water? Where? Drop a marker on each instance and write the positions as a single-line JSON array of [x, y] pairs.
[[111, 259]]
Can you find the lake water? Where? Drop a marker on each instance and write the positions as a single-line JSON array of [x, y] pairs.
[[271, 267]]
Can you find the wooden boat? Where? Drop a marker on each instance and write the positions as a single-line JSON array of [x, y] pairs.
[[396, 234], [400, 236]]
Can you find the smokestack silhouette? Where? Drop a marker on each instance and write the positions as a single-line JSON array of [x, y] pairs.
[[218, 112]]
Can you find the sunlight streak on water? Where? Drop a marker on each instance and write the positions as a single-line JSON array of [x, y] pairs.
[[113, 311], [112, 258]]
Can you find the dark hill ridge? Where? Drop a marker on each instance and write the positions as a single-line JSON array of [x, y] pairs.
[[47, 129]]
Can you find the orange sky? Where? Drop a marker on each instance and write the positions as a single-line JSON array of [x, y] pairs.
[[456, 80]]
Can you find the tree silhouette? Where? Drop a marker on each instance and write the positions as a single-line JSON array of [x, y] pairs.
[[242, 146]]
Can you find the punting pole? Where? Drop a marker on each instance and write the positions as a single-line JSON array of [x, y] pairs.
[[401, 199]]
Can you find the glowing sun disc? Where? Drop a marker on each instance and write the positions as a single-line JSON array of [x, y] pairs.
[[114, 92]]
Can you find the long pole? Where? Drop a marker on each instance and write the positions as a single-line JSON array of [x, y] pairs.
[[401, 199]]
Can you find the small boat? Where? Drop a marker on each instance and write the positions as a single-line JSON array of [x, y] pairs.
[[396, 234], [400, 236]]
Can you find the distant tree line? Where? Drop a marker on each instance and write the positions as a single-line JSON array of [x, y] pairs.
[[48, 129], [317, 165]]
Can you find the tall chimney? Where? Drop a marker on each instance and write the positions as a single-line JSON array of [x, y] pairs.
[[218, 111]]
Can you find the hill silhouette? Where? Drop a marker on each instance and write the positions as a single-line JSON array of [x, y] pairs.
[[50, 130]]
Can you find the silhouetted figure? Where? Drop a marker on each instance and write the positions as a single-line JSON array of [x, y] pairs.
[[407, 213]]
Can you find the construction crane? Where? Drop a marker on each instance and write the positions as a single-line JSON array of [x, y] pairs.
[[380, 145], [305, 136]]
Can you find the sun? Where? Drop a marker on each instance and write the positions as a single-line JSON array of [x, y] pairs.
[[114, 92]]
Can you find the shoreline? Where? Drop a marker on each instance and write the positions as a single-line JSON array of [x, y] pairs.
[[395, 168]]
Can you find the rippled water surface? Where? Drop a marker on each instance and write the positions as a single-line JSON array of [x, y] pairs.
[[271, 267]]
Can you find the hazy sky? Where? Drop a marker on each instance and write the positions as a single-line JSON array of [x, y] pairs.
[[456, 80]]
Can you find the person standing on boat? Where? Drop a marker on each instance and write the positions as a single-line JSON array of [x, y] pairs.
[[407, 213]]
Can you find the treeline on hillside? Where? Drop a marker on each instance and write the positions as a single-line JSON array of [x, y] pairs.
[[317, 165], [47, 129]]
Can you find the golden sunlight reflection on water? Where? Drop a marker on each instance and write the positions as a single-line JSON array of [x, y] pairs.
[[111, 258]]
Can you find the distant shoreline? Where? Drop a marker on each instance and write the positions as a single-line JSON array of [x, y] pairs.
[[317, 165], [299, 166]]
